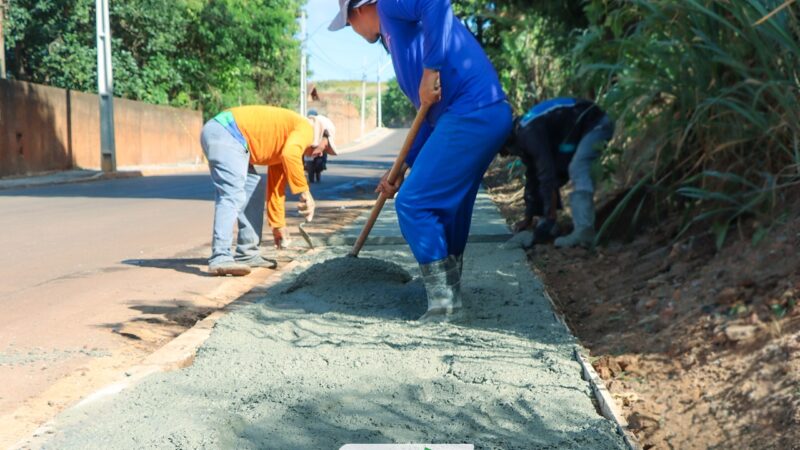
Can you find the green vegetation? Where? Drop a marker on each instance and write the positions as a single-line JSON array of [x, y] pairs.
[[207, 54], [708, 101], [398, 111], [705, 97]]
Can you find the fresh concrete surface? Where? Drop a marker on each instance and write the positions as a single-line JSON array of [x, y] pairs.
[[337, 358], [487, 226]]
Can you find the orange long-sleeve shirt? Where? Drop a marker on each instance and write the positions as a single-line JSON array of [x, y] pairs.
[[276, 138]]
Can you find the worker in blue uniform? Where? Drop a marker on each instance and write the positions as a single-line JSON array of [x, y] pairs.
[[437, 62]]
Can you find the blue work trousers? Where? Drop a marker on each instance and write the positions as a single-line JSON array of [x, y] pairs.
[[434, 204], [238, 195]]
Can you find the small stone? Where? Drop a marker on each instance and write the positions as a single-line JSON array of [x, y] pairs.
[[629, 398], [638, 421], [667, 313], [628, 364], [607, 367], [738, 333]]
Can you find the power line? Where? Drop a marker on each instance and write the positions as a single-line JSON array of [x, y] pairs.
[[322, 56], [316, 29]]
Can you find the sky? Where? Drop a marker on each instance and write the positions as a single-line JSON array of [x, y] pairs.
[[342, 55]]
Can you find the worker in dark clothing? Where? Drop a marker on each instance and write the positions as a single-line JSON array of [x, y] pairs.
[[315, 165], [558, 140]]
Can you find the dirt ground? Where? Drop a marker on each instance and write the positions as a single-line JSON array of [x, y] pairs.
[[701, 349]]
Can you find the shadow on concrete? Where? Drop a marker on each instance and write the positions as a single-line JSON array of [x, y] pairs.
[[180, 313], [380, 419], [184, 265]]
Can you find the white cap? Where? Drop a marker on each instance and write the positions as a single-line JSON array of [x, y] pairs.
[[340, 21], [322, 124]]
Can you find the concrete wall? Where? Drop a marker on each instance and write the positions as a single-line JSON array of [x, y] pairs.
[[44, 128]]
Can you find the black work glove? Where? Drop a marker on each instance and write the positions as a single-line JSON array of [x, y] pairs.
[[546, 230]]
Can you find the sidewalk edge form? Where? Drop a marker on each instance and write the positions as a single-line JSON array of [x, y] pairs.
[[608, 407]]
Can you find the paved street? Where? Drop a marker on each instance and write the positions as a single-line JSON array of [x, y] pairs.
[[95, 276]]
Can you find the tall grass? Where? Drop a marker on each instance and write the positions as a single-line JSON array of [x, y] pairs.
[[707, 102]]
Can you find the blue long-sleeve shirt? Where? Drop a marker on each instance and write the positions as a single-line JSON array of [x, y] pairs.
[[425, 34]]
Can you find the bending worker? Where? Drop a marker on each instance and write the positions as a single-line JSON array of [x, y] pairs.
[[438, 62], [233, 142], [558, 140]]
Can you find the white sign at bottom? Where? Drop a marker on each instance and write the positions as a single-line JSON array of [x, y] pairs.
[[408, 447]]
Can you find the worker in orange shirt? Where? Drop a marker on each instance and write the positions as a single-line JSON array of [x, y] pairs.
[[234, 141]]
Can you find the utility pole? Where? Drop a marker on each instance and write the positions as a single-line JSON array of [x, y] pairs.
[[105, 88], [303, 65], [363, 102], [378, 112], [2, 41]]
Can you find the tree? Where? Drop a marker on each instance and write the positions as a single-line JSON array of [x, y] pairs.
[[210, 54], [244, 52], [398, 111], [52, 42]]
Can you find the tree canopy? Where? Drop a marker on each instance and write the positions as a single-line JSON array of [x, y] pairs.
[[206, 54]]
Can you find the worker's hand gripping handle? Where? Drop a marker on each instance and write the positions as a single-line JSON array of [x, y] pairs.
[[393, 174]]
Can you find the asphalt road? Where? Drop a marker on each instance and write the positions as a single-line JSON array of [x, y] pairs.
[[83, 264]]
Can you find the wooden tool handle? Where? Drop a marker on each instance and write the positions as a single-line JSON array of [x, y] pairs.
[[393, 174]]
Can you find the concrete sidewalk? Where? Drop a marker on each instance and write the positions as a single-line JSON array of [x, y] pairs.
[[487, 226], [333, 355]]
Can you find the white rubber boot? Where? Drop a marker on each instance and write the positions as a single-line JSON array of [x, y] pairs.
[[443, 287]]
